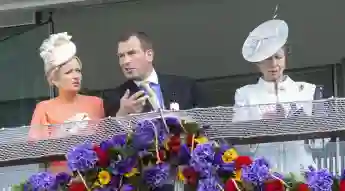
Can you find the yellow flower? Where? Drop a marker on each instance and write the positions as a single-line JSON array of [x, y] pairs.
[[133, 172], [238, 175], [229, 155], [104, 177], [180, 175], [201, 140]]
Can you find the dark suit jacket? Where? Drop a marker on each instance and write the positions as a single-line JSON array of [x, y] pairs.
[[178, 89]]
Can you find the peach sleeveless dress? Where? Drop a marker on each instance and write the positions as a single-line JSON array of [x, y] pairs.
[[55, 111]]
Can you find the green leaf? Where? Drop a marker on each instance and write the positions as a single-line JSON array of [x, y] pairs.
[[335, 185], [18, 187], [192, 128], [115, 152]]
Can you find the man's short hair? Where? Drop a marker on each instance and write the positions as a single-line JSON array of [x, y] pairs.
[[145, 41]]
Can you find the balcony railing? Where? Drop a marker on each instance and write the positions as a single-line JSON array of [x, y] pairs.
[[311, 123]]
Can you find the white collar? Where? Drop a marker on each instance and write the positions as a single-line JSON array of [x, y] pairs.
[[153, 78], [287, 83]]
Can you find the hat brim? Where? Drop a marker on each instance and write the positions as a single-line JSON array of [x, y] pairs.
[[265, 40]]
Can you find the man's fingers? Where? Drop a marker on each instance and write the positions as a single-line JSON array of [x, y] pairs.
[[141, 100], [126, 95], [137, 95]]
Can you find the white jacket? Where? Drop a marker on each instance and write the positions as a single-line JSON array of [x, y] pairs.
[[288, 156]]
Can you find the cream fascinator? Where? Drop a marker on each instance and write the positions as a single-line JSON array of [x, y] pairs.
[[56, 50]]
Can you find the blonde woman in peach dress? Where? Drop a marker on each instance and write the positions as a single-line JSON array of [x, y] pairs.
[[63, 70]]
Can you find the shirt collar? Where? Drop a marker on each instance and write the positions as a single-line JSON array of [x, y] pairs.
[[287, 83], [153, 78]]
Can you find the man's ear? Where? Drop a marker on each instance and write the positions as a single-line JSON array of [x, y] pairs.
[[149, 55]]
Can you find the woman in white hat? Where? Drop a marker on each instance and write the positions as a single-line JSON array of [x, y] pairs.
[[63, 70], [266, 47]]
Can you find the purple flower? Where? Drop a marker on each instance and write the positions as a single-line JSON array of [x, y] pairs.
[[218, 156], [107, 188], [144, 135], [184, 154], [208, 184], [202, 159], [127, 187], [227, 167], [203, 152], [174, 125], [256, 173], [223, 167], [82, 158], [319, 180], [42, 181], [115, 141], [123, 166], [162, 132], [157, 175], [62, 178]]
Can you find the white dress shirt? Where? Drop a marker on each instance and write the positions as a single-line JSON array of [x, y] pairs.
[[284, 156], [153, 78]]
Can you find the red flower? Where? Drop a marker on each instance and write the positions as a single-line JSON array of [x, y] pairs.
[[162, 155], [302, 187], [103, 158], [77, 186], [342, 185], [174, 143], [241, 161], [274, 185], [190, 175], [230, 185], [189, 140]]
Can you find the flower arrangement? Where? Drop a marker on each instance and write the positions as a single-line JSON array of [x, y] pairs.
[[159, 153]]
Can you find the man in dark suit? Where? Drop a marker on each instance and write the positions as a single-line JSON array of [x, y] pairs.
[[145, 90]]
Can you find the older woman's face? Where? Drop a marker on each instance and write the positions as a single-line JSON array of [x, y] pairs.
[[272, 68], [69, 76]]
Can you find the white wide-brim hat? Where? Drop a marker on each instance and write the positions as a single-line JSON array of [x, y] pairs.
[[265, 40]]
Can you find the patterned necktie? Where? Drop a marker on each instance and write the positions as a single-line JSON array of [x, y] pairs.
[[154, 93]]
